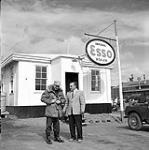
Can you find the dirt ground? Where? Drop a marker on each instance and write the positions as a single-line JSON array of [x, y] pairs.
[[102, 132]]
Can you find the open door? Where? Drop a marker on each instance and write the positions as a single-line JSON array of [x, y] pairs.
[[71, 77]]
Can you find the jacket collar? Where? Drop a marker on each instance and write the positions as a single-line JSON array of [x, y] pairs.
[[50, 88]]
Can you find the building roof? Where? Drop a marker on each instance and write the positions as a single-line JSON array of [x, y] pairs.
[[136, 83], [47, 58], [136, 90], [25, 57]]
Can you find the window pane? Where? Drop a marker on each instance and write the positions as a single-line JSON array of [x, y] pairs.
[[44, 69], [93, 84], [43, 87], [98, 78], [93, 89], [37, 81], [93, 78], [93, 72], [43, 82], [38, 75], [97, 89], [37, 87], [44, 75], [41, 75], [97, 72], [38, 68], [97, 86]]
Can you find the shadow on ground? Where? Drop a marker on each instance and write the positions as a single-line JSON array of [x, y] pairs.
[[10, 124]]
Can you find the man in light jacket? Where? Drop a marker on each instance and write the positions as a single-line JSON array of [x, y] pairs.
[[75, 107], [54, 98]]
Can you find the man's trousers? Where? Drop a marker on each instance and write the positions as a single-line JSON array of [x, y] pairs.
[[52, 122], [75, 121]]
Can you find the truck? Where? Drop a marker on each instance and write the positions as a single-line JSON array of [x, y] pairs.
[[137, 111]]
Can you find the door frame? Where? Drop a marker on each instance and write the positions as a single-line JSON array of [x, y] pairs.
[[76, 73]]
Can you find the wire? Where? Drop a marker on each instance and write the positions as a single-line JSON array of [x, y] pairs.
[[105, 28]]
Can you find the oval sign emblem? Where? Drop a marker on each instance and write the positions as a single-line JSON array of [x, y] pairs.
[[100, 52]]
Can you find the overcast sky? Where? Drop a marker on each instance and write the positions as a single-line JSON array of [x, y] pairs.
[[51, 26]]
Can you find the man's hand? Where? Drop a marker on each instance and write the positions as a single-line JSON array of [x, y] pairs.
[[82, 112], [58, 101], [53, 100]]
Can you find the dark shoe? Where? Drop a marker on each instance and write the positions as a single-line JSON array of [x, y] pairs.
[[48, 140], [59, 140]]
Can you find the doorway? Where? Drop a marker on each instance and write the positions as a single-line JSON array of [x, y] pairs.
[[71, 77]]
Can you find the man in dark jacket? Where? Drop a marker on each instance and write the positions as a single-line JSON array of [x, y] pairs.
[[54, 98]]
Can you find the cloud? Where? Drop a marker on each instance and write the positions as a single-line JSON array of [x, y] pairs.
[[51, 26], [145, 27]]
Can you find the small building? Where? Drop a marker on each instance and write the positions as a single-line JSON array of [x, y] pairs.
[[26, 76]]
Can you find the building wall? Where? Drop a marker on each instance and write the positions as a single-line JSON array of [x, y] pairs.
[[108, 85], [7, 71], [27, 99], [27, 95], [62, 65], [104, 96], [56, 70]]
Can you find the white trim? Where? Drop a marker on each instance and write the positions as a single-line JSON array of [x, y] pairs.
[[95, 66], [25, 57]]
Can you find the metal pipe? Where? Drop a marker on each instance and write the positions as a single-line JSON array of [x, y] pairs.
[[119, 74], [101, 37]]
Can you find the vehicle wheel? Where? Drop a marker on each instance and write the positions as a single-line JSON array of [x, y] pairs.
[[134, 121]]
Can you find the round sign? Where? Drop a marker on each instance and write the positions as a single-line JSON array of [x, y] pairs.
[[100, 52]]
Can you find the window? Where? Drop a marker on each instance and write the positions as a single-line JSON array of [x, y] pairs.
[[95, 80], [41, 78]]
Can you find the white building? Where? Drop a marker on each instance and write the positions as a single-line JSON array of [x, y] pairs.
[[25, 77]]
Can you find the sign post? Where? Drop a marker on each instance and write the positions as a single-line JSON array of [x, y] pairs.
[[119, 74]]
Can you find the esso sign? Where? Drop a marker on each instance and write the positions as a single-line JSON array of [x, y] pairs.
[[100, 52]]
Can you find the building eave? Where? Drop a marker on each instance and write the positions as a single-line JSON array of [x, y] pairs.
[[87, 63], [65, 56], [25, 57], [136, 90]]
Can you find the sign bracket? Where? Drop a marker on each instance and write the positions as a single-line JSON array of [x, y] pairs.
[[101, 37]]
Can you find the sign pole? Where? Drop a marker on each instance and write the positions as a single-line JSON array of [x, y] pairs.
[[119, 74]]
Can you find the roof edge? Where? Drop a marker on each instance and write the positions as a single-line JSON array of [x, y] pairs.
[[24, 57]]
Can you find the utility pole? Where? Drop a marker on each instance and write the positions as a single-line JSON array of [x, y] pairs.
[[119, 74]]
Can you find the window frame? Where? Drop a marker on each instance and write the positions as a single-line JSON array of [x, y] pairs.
[[99, 81], [41, 78]]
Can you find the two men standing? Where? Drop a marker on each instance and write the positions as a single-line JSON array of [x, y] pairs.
[[74, 106]]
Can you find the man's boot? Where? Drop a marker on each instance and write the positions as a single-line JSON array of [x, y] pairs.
[[48, 138], [58, 139]]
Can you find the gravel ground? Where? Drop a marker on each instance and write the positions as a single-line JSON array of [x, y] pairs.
[[101, 132]]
